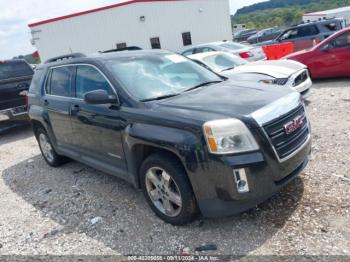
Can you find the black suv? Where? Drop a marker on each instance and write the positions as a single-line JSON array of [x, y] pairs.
[[15, 77], [193, 141]]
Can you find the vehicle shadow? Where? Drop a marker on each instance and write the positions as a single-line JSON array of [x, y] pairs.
[[331, 82], [10, 131], [74, 194]]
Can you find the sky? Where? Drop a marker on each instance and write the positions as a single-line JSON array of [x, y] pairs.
[[15, 16]]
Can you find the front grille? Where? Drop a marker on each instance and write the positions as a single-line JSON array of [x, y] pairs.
[[281, 81], [283, 143], [301, 78]]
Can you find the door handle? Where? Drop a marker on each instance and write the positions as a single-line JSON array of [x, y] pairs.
[[75, 109], [46, 102]]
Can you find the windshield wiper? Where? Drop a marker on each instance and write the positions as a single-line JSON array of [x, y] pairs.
[[159, 97], [203, 84], [230, 68]]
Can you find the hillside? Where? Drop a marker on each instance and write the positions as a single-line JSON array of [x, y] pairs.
[[282, 12]]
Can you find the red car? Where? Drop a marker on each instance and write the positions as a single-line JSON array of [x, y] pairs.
[[330, 58]]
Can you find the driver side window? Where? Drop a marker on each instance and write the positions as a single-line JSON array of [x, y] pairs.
[[89, 79], [341, 41]]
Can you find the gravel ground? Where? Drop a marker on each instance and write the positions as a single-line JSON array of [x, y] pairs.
[[78, 210]]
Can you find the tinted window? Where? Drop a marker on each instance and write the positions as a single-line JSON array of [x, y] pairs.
[[204, 50], [186, 38], [60, 82], [342, 41], [89, 79], [37, 80], [11, 69], [307, 31], [121, 45], [188, 52], [155, 43]]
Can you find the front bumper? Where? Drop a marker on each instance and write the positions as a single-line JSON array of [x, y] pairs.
[[304, 88], [219, 196], [15, 114]]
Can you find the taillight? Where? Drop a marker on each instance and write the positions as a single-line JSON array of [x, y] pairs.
[[245, 55], [25, 94]]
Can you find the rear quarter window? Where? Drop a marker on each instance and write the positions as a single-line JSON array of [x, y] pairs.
[[37, 82], [14, 69]]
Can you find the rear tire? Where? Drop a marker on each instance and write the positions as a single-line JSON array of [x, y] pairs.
[[47, 150], [167, 189]]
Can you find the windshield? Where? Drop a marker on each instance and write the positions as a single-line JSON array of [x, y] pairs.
[[222, 62], [152, 76], [233, 46], [13, 69]]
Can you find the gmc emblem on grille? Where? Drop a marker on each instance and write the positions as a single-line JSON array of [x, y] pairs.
[[294, 125]]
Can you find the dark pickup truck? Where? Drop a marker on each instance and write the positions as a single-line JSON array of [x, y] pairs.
[[15, 77], [192, 140]]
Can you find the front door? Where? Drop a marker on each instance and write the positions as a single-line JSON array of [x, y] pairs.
[[97, 128], [333, 58], [340, 53]]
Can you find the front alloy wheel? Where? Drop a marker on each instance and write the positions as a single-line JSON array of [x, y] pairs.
[[163, 191], [167, 189]]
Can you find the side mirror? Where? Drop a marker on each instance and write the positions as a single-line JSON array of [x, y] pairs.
[[326, 48], [100, 97]]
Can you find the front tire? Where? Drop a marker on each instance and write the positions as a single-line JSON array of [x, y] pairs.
[[47, 150], [167, 189]]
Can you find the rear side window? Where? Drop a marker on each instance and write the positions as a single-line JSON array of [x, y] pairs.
[[60, 81], [37, 81], [188, 52], [307, 31], [13, 69], [89, 79]]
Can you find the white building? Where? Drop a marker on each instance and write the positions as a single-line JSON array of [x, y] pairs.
[[343, 12], [169, 24]]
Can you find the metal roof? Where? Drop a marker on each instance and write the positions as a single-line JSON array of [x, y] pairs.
[[96, 10], [330, 12]]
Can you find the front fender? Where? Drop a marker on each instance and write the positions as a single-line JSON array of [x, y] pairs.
[[188, 145]]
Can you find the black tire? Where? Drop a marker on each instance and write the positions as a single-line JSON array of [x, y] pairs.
[[56, 160], [189, 209]]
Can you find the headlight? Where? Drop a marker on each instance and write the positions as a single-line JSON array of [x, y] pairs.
[[274, 81], [228, 136], [268, 81]]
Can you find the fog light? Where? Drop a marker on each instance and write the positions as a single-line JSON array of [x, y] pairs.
[[241, 180]]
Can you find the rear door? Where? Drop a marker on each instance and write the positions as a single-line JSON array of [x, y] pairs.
[[15, 77], [57, 102], [97, 128]]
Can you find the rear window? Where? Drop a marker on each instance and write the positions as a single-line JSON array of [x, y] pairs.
[[11, 69]]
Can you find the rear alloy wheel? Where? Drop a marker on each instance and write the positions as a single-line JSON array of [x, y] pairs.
[[47, 150], [168, 190]]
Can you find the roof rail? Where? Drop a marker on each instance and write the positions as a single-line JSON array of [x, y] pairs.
[[129, 48], [63, 57]]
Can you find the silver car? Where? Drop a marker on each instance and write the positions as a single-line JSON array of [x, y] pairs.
[[247, 52], [285, 73]]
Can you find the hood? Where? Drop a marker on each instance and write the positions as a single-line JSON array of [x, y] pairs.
[[276, 68], [226, 99]]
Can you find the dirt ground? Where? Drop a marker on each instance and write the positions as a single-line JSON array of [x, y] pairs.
[[76, 210]]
